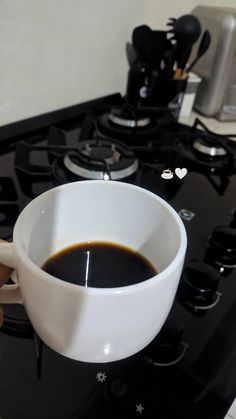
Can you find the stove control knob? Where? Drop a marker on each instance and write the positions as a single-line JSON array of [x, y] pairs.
[[118, 389], [167, 348], [201, 277], [223, 246], [198, 284]]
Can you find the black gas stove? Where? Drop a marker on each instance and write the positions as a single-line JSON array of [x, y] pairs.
[[188, 370]]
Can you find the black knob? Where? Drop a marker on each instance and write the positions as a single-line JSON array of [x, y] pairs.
[[167, 345], [119, 387], [198, 284], [223, 245], [201, 277]]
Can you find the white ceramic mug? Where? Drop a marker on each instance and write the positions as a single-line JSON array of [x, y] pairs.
[[95, 324]]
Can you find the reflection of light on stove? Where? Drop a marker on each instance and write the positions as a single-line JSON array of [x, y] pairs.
[[222, 269], [106, 176]]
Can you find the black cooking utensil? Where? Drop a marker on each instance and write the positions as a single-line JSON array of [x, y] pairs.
[[139, 75], [139, 41], [157, 45], [186, 29], [203, 47], [182, 55], [130, 53], [172, 21]]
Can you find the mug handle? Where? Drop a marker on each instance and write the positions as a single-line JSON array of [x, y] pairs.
[[9, 294]]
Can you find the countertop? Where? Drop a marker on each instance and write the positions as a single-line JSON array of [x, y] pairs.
[[219, 127]]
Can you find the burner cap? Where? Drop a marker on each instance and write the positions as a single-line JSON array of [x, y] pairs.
[[209, 148], [127, 126], [128, 119], [101, 160]]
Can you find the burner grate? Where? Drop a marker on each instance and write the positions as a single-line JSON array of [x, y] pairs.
[[91, 159], [101, 159]]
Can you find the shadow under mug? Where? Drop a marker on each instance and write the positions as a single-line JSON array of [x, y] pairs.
[[95, 324]]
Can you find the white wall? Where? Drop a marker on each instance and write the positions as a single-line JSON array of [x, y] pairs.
[[56, 53]]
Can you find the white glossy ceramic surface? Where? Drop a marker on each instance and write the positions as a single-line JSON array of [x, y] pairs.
[[92, 324]]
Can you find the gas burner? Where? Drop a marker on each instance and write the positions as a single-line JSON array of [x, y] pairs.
[[128, 125], [101, 159], [212, 146], [128, 119], [208, 147]]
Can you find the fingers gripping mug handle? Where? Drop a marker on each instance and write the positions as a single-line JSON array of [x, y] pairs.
[[9, 294]]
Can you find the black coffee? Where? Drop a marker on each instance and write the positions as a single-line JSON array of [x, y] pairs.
[[100, 265]]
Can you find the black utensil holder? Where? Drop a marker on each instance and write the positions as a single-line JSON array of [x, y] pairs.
[[168, 94]]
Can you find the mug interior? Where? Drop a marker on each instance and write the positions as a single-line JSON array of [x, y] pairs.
[[113, 212]]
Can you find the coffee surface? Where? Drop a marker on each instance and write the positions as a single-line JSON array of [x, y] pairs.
[[100, 265]]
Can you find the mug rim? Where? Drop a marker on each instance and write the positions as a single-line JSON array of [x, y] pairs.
[[22, 255]]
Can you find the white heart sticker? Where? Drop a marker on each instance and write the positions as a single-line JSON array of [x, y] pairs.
[[181, 172]]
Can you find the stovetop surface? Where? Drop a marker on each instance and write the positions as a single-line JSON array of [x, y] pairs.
[[194, 376]]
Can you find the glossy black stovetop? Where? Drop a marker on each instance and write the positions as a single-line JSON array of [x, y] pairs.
[[187, 371]]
